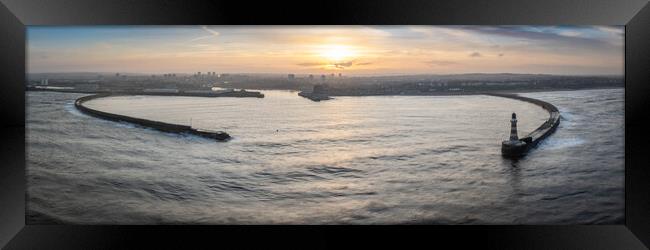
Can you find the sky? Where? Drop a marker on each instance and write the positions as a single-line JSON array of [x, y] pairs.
[[350, 50]]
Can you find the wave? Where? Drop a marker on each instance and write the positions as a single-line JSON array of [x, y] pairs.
[[561, 143], [322, 169], [70, 108]]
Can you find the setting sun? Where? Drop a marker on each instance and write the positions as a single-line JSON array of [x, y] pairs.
[[337, 53]]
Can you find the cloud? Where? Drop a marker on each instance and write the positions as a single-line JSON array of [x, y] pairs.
[[199, 38], [554, 36], [441, 62], [213, 33], [618, 30], [475, 54], [342, 65], [309, 64], [571, 33], [338, 65]]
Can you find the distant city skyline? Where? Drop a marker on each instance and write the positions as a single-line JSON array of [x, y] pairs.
[[349, 50]]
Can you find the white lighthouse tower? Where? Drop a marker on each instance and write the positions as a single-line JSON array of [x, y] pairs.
[[513, 128], [513, 146]]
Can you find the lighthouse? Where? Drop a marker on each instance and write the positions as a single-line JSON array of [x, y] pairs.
[[513, 128], [514, 147]]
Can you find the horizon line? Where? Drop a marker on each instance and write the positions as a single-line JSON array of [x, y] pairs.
[[315, 74]]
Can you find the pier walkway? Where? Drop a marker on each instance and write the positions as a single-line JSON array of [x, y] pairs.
[[547, 128], [162, 126]]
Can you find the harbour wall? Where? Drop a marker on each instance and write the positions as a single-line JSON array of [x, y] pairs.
[[533, 138], [314, 97], [547, 128], [162, 126]]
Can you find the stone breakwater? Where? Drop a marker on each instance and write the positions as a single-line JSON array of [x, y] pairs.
[[162, 126], [314, 97], [531, 139], [547, 128]]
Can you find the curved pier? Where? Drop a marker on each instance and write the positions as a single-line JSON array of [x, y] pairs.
[[533, 138], [162, 126]]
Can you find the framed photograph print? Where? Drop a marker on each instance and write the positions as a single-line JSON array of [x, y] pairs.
[[175, 124]]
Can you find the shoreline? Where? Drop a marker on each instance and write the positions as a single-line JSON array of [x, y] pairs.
[[292, 90], [239, 94], [487, 92], [324, 97]]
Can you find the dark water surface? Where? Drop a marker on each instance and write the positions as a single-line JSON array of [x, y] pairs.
[[360, 160]]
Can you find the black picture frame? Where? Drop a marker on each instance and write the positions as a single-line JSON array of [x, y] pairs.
[[16, 14]]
